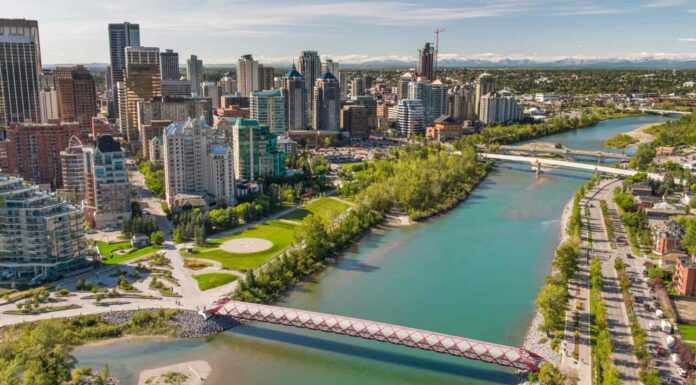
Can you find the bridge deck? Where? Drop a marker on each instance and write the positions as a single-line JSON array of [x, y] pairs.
[[398, 335]]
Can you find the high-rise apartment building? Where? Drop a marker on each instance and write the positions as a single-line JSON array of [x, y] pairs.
[[266, 77], [485, 83], [335, 69], [326, 113], [211, 90], [197, 161], [354, 120], [409, 117], [72, 162], [33, 150], [426, 62], [121, 35], [175, 88], [228, 85], [499, 109], [461, 102], [142, 82], [370, 105], [439, 106], [433, 97], [171, 109], [77, 95], [404, 81], [169, 65], [247, 75], [19, 80], [194, 73], [107, 190], [41, 236], [268, 108], [295, 96], [357, 86], [309, 64], [255, 151]]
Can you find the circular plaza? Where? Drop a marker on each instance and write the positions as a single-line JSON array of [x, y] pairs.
[[246, 245]]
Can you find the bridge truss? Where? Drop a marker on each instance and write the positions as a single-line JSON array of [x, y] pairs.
[[517, 358]]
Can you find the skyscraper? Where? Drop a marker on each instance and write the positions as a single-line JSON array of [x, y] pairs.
[[142, 82], [439, 106], [169, 63], [335, 69], [121, 35], [404, 80], [73, 170], [107, 190], [497, 108], [295, 93], [19, 80], [485, 83], [24, 27], [409, 117], [77, 96], [422, 90], [426, 62], [255, 151], [357, 86], [326, 112], [211, 90], [194, 73], [461, 102], [268, 108], [247, 75], [309, 64], [228, 85], [266, 77]]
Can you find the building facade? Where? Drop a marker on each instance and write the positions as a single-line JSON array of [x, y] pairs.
[[77, 96], [247, 75], [255, 151], [121, 35], [107, 190], [499, 109], [169, 65], [73, 170], [309, 64], [197, 161], [19, 80], [410, 117], [295, 97], [41, 236], [326, 108], [426, 62], [485, 84], [194, 74], [211, 90], [354, 120], [268, 108], [142, 82], [33, 150], [461, 102]]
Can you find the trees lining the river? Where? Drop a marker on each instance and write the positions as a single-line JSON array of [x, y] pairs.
[[419, 180]]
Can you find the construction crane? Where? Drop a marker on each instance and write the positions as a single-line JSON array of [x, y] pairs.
[[438, 31]]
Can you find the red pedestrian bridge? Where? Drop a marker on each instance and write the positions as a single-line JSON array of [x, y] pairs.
[[517, 358]]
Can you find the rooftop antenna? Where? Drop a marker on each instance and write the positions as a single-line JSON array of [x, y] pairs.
[[438, 31]]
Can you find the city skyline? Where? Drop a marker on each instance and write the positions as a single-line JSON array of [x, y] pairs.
[[276, 30]]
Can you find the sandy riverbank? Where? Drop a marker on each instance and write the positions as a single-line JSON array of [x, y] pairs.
[[641, 134], [536, 340], [194, 372]]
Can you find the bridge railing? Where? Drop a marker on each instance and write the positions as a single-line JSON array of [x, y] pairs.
[[507, 356]]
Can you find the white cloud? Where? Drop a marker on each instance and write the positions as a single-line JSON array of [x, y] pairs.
[[663, 3], [687, 40]]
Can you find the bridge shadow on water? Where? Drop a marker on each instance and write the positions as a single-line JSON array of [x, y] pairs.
[[375, 354]]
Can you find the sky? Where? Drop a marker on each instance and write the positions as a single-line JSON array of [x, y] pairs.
[[354, 31]]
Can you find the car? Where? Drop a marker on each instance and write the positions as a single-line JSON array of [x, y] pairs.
[[639, 299], [659, 350], [630, 256], [657, 305]]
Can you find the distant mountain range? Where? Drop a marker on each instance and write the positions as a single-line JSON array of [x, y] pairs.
[[639, 63]]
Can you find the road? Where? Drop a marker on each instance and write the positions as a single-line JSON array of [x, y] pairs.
[[617, 317]]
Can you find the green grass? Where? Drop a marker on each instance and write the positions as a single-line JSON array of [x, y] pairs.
[[687, 331], [322, 207], [107, 250], [211, 280], [280, 233]]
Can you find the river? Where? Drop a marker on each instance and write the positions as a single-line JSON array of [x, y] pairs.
[[473, 272]]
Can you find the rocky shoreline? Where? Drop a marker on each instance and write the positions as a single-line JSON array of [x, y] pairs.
[[188, 323]]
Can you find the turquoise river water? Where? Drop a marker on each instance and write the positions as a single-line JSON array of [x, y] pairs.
[[473, 272]]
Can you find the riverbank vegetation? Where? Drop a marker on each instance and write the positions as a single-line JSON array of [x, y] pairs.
[[421, 181], [620, 141], [40, 352], [603, 370], [680, 132]]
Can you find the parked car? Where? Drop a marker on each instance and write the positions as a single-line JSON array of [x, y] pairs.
[[629, 256], [675, 358], [639, 299], [660, 351], [659, 313], [681, 372]]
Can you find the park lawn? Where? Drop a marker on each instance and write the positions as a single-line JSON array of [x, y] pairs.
[[106, 250], [212, 280], [280, 233], [322, 207], [688, 331]]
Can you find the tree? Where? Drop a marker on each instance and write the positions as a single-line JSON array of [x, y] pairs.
[[552, 301], [157, 237], [199, 236], [550, 374]]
